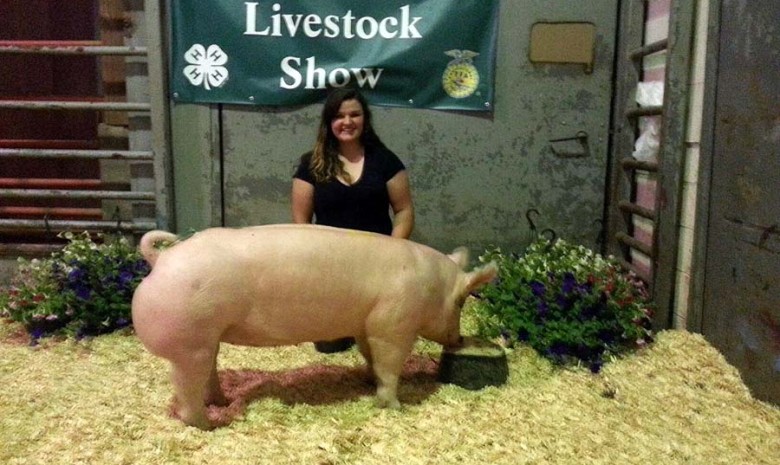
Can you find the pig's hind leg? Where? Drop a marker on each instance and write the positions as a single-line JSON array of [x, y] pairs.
[[214, 394], [193, 374], [365, 350]]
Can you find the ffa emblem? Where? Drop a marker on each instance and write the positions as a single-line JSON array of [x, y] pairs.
[[460, 78]]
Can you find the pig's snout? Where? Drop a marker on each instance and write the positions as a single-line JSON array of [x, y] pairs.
[[455, 342]]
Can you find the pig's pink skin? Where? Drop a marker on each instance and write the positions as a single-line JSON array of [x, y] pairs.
[[287, 284]]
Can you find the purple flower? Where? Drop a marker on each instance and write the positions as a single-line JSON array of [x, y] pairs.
[[141, 267], [595, 365], [124, 280], [36, 334], [542, 309], [606, 336], [83, 292], [76, 275], [585, 288], [569, 283], [523, 335], [564, 302], [558, 351], [538, 288]]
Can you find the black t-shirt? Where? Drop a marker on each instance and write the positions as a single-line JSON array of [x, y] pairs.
[[365, 205]]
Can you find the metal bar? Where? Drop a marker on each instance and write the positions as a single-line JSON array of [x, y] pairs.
[[634, 164], [28, 250], [39, 212], [30, 49], [157, 32], [83, 105], [69, 194], [635, 209], [649, 49], [68, 225], [49, 43], [696, 297], [60, 144], [672, 155], [84, 154], [654, 110], [634, 244], [50, 183]]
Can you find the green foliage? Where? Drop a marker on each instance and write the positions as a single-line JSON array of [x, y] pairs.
[[84, 289], [565, 301]]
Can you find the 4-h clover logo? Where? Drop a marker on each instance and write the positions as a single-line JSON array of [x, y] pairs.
[[205, 66]]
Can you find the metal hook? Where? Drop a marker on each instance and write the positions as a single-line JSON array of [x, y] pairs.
[[553, 236], [47, 226], [600, 235], [531, 224], [769, 230], [116, 216]]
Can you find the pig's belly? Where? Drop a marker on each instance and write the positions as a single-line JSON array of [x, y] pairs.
[[287, 326]]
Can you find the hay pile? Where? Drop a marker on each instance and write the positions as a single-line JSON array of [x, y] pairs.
[[106, 401]]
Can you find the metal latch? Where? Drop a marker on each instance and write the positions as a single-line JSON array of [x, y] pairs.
[[571, 147]]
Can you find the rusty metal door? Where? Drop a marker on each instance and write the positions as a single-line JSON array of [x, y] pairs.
[[741, 294]]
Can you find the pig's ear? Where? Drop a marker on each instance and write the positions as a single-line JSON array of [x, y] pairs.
[[460, 256], [481, 276]]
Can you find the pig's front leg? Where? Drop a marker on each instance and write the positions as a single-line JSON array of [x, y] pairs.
[[388, 357]]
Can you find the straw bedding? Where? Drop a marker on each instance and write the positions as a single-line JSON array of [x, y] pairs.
[[107, 401]]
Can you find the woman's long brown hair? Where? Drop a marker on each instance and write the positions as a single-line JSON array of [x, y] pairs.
[[325, 164]]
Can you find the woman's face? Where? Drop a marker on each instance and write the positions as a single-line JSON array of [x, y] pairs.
[[347, 125]]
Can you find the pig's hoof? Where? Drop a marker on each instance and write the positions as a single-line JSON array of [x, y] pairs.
[[207, 426], [474, 365], [391, 404], [202, 423]]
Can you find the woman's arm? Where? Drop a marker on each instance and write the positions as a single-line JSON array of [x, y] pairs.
[[302, 201], [400, 194]]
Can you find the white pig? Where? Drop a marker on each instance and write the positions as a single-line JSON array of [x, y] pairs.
[[288, 284]]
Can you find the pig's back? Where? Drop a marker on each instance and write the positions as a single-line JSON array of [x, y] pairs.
[[289, 267]]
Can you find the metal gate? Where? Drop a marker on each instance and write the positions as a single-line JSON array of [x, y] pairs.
[[53, 180]]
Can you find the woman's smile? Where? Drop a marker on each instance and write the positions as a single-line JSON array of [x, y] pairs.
[[347, 126]]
